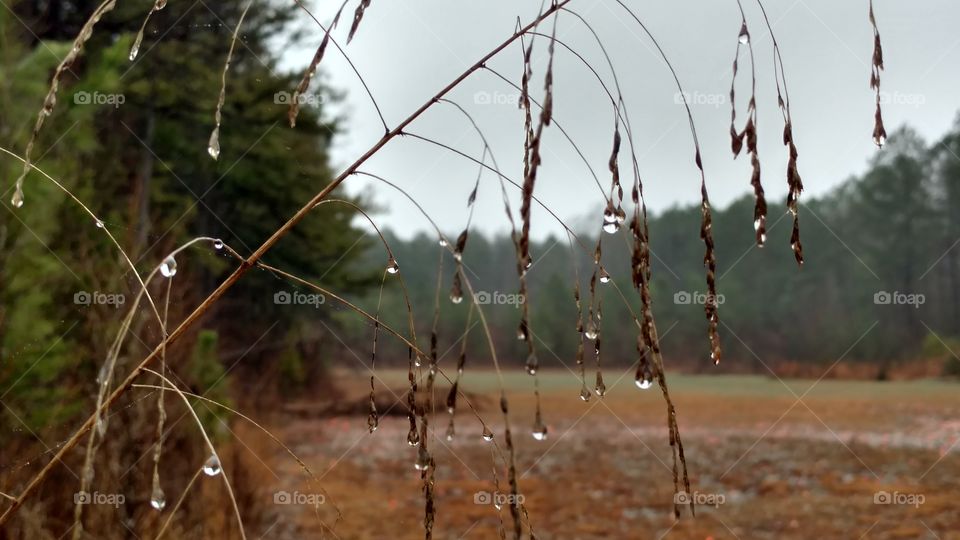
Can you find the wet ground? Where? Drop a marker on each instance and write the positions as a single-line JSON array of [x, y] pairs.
[[767, 459]]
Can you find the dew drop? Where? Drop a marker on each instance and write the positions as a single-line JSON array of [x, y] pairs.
[[413, 438], [392, 266], [98, 223], [135, 50], [611, 227], [604, 276], [456, 297], [880, 140], [644, 379], [521, 333], [213, 147], [591, 331], [373, 421], [157, 499], [450, 432], [609, 215], [423, 460], [744, 36], [17, 199], [103, 374], [168, 267], [487, 434], [212, 466], [584, 393], [458, 255], [218, 244], [443, 242], [600, 388], [160, 4], [498, 500], [539, 429], [532, 363]]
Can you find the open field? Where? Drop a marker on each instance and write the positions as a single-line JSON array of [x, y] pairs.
[[794, 459]]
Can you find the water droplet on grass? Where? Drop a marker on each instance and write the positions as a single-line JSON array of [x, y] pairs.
[[213, 147], [157, 499], [17, 199], [168, 267], [532, 363], [212, 466], [423, 460], [644, 379]]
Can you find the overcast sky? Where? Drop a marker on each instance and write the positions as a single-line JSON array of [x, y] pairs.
[[409, 49]]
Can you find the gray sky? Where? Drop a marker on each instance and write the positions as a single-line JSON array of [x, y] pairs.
[[409, 49]]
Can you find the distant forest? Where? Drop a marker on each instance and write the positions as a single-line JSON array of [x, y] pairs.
[[881, 263]]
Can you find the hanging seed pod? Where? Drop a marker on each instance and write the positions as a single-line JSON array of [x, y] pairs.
[[357, 17], [311, 70], [876, 66]]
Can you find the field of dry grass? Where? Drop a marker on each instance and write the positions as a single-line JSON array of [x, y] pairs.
[[769, 459]]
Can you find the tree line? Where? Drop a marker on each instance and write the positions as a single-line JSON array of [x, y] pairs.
[[879, 287]]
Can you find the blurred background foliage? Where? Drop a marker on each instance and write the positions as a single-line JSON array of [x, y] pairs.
[[138, 159]]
